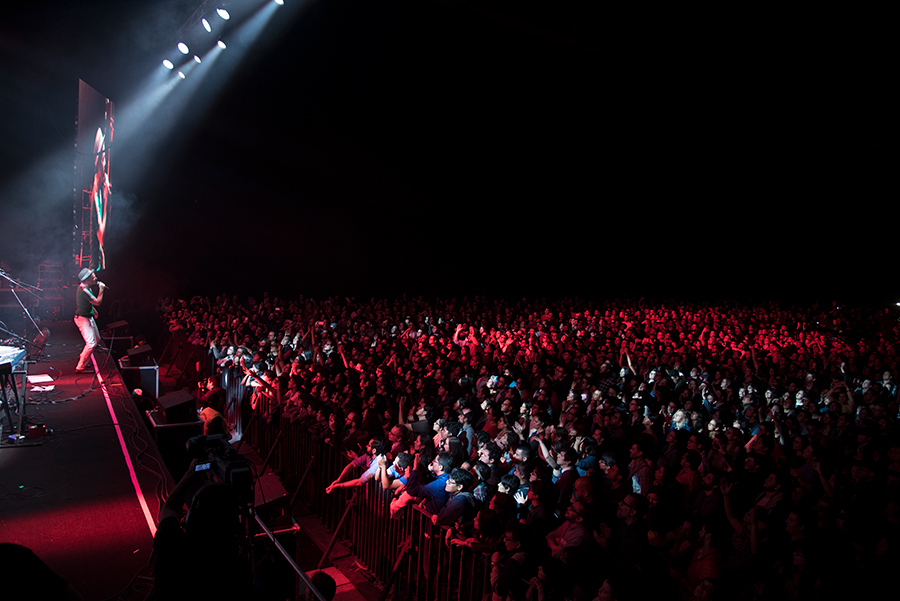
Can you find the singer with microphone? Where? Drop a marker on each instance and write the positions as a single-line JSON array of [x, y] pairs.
[[85, 312]]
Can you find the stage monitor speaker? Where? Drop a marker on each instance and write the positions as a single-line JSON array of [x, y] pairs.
[[271, 500], [145, 377], [171, 440], [140, 355], [178, 407], [120, 346], [120, 328]]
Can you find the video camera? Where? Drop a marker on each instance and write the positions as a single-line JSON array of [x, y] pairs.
[[223, 463]]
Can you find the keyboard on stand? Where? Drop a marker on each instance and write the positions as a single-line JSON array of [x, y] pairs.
[[12, 364]]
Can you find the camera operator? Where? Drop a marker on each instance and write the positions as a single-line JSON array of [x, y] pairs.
[[199, 557]]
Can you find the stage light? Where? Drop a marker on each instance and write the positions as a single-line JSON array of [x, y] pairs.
[[182, 47], [221, 44], [196, 59], [181, 75], [168, 64], [223, 13], [279, 2], [206, 25]]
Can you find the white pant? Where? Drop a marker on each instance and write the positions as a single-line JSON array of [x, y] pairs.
[[88, 328]]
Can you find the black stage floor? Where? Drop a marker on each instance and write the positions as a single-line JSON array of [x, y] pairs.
[[70, 496]]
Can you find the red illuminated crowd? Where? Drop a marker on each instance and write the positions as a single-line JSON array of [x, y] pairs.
[[621, 450]]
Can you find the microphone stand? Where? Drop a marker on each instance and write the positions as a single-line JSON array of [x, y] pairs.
[[35, 292]]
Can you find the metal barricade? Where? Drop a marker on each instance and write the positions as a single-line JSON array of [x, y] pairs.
[[409, 553], [428, 568], [193, 362]]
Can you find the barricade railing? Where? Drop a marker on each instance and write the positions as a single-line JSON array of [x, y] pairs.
[[410, 552], [192, 361]]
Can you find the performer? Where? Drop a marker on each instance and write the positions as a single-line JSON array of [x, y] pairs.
[[85, 301]]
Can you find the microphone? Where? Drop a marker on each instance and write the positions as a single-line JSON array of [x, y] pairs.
[[103, 285]]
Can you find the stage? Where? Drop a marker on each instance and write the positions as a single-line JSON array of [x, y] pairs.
[[85, 497]]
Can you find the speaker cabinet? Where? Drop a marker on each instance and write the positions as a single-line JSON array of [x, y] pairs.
[[177, 407], [140, 355], [171, 441], [271, 500], [145, 377]]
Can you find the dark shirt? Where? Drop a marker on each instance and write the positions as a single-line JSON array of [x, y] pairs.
[[83, 306], [709, 506], [511, 580], [459, 508], [539, 521], [564, 487], [496, 473], [632, 543]]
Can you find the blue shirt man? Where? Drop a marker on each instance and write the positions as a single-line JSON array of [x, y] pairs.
[[434, 492]]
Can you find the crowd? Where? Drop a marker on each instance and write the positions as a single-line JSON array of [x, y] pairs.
[[614, 451]]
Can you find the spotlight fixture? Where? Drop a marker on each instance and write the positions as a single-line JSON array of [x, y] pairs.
[[182, 47], [223, 13], [168, 64], [279, 2], [221, 44], [181, 75], [196, 59], [206, 25]]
